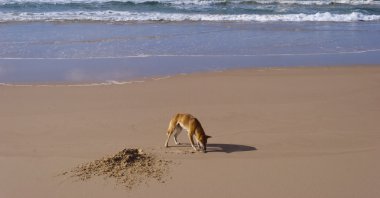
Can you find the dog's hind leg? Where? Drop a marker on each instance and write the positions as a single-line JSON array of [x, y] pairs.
[[172, 127], [167, 139]]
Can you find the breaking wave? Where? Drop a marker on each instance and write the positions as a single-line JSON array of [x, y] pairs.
[[118, 16]]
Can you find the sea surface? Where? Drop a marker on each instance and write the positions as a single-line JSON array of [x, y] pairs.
[[189, 10], [102, 41]]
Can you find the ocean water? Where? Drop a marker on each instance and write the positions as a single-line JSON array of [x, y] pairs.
[[189, 10], [101, 41]]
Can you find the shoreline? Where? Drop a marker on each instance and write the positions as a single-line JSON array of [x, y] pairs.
[[162, 77]]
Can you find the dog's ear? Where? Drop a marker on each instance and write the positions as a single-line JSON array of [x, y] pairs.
[[207, 136]]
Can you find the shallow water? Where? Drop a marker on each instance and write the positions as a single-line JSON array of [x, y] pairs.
[[99, 52]]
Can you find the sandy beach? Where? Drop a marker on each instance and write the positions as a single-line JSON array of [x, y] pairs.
[[289, 132]]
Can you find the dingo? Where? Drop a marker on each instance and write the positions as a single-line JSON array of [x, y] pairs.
[[193, 128]]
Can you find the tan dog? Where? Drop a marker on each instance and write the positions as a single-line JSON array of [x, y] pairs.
[[193, 128]]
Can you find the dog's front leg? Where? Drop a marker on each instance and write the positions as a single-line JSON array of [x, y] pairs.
[[192, 142], [198, 143]]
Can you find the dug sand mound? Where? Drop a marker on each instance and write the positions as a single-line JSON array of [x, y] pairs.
[[129, 167]]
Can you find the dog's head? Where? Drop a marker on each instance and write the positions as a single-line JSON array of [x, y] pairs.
[[204, 143]]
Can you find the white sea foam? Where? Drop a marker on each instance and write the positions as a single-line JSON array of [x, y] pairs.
[[320, 2], [161, 78], [77, 76], [203, 2], [107, 83], [117, 16]]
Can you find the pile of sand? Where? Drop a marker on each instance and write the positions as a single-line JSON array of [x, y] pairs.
[[129, 167]]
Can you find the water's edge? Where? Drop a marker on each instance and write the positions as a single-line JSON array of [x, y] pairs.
[[76, 53]]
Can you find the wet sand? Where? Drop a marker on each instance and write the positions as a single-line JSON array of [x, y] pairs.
[[294, 132]]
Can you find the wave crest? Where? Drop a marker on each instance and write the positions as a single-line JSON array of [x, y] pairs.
[[195, 2], [118, 16]]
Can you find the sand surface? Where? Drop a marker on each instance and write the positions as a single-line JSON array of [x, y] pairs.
[[297, 132]]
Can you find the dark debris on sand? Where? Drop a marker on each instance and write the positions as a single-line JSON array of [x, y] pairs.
[[129, 167]]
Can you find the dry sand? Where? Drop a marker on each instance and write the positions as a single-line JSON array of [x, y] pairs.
[[297, 132]]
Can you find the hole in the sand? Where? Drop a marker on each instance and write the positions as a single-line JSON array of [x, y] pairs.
[[128, 167]]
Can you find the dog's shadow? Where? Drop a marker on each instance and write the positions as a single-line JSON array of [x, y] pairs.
[[229, 148], [223, 148]]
